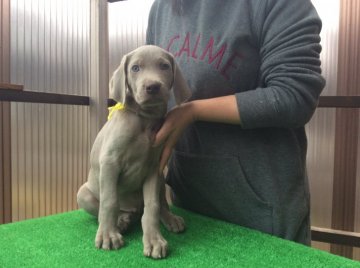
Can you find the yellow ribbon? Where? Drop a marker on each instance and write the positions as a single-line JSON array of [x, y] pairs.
[[119, 106]]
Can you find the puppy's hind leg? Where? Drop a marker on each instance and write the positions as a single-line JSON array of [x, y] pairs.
[[87, 201], [126, 219], [131, 209]]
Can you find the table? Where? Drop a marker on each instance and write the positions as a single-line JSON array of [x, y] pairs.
[[67, 240]]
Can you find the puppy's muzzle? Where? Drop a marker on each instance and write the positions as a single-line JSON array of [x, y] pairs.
[[153, 88]]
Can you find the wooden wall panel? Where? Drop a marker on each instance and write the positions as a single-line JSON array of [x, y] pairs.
[[127, 28], [50, 49], [347, 123], [50, 158], [5, 136], [50, 52], [356, 255], [321, 128]]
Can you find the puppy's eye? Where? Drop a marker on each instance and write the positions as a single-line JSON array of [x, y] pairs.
[[135, 68], [164, 66]]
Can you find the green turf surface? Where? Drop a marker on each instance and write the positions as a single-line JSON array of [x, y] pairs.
[[67, 240]]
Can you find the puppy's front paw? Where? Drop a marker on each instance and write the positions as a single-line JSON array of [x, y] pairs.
[[155, 245], [108, 239]]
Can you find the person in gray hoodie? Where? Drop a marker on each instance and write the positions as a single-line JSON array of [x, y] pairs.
[[238, 146]]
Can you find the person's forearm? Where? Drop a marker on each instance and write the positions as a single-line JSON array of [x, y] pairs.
[[220, 110]]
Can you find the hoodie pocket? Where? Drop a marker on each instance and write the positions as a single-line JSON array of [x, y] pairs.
[[222, 189]]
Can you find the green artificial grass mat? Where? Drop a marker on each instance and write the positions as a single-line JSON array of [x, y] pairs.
[[67, 240]]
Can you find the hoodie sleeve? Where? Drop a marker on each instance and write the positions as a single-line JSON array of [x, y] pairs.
[[290, 80]]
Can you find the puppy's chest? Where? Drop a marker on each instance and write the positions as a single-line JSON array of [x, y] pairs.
[[140, 152], [139, 160]]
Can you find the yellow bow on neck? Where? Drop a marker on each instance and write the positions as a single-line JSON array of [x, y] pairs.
[[117, 107]]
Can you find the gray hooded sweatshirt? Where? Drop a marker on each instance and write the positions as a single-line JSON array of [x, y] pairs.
[[266, 52]]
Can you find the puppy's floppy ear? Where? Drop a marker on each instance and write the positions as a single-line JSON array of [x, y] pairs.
[[181, 89], [118, 82]]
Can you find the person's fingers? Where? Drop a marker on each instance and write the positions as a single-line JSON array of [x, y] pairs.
[[165, 157], [163, 133], [168, 135], [169, 145], [159, 137]]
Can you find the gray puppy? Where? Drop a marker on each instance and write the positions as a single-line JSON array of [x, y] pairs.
[[124, 179]]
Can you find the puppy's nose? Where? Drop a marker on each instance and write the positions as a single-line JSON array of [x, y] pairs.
[[153, 88]]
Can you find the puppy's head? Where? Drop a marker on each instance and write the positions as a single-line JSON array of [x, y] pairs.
[[145, 78]]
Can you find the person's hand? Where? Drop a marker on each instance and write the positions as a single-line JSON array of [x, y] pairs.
[[175, 123], [221, 110]]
